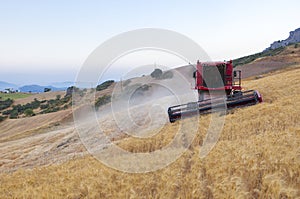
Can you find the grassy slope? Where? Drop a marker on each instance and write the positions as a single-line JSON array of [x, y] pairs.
[[257, 155], [265, 54], [13, 96], [40, 96]]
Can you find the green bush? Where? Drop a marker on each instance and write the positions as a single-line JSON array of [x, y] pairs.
[[296, 45], [128, 90], [66, 99], [47, 90], [4, 104], [143, 88], [2, 118], [104, 85], [19, 108], [53, 102], [71, 90], [167, 75], [44, 106], [105, 99], [7, 112], [29, 112], [50, 110], [47, 106], [14, 114], [81, 93], [157, 73]]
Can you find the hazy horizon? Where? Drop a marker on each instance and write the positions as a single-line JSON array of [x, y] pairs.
[[48, 41]]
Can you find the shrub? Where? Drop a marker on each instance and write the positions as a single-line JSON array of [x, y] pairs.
[[167, 75], [6, 103], [141, 90], [2, 118], [104, 85], [50, 110], [70, 90], [7, 112], [44, 106], [156, 73], [102, 100], [144, 87], [65, 99], [35, 104], [53, 102], [47, 90], [128, 90], [18, 108], [29, 112], [14, 114], [80, 93]]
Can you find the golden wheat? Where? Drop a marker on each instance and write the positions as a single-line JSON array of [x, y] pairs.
[[257, 156]]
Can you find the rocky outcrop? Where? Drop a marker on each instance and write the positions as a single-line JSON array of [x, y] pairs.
[[293, 38]]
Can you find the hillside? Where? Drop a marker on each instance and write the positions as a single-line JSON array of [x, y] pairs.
[[257, 155], [262, 63]]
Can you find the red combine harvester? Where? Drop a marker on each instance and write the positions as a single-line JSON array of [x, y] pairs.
[[215, 78]]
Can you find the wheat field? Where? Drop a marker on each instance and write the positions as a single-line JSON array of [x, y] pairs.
[[257, 156]]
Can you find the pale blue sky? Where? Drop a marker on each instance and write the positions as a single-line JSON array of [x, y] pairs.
[[47, 41]]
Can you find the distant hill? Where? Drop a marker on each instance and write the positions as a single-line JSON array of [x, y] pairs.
[[62, 84], [4, 85], [292, 39], [39, 89]]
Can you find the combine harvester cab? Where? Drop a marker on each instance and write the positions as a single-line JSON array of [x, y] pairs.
[[207, 80]]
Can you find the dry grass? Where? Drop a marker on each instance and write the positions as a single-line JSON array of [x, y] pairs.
[[19, 128], [257, 156], [39, 96]]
